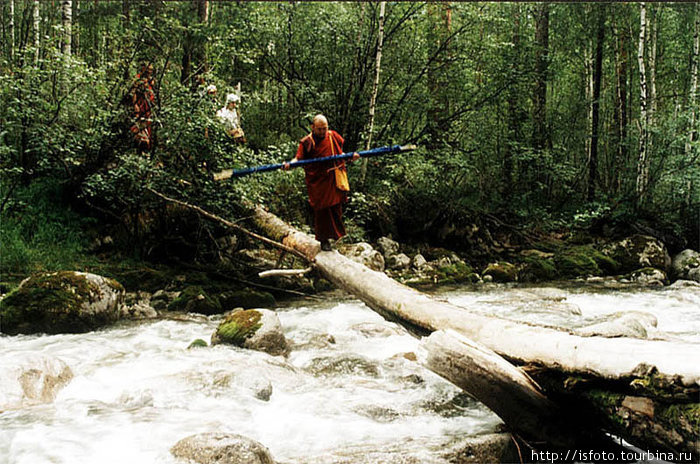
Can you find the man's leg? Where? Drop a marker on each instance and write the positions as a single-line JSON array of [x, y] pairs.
[[328, 224]]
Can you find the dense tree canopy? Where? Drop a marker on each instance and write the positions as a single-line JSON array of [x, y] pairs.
[[534, 112]]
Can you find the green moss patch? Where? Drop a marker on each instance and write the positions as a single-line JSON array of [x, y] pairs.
[[537, 269], [198, 343], [584, 260], [239, 326], [501, 271], [456, 273]]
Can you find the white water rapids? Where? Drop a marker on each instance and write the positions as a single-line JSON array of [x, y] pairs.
[[137, 390]]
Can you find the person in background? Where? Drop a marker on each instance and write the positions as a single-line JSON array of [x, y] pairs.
[[326, 188], [143, 101], [230, 118]]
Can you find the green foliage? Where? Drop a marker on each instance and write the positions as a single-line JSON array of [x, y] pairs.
[[40, 233], [463, 91]]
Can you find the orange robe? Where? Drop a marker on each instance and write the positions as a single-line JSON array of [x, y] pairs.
[[325, 198]]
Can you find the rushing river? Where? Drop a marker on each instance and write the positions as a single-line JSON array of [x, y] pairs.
[[347, 392]]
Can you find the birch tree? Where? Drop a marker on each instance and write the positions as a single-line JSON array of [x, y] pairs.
[[36, 23], [66, 26], [642, 170], [375, 88], [11, 27], [693, 132]]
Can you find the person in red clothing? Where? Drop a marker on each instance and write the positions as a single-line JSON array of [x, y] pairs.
[[142, 102], [325, 196]]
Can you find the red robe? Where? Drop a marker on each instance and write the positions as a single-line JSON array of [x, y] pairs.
[[325, 198], [320, 182], [143, 100]]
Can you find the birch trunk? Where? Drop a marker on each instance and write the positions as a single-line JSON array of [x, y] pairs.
[[75, 46], [11, 27], [643, 100], [66, 24], [36, 23], [375, 89], [693, 132]]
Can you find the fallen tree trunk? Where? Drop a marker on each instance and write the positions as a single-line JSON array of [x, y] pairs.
[[666, 372]]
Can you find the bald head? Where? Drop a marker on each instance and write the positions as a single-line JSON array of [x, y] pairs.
[[319, 126]]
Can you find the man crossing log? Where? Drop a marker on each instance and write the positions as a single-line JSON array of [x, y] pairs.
[[326, 183]]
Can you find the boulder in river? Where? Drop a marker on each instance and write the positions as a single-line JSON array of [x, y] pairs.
[[255, 329], [639, 251], [684, 264], [221, 448], [61, 302]]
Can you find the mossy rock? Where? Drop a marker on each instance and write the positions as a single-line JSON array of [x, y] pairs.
[[323, 285], [501, 271], [584, 260], [246, 298], [237, 327], [198, 343], [639, 251], [196, 300], [537, 269], [456, 273], [61, 302]]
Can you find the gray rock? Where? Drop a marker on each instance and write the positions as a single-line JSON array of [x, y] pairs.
[[649, 277], [61, 302], [419, 261], [684, 263], [634, 324], [139, 310], [32, 380], [685, 284], [162, 298], [399, 261], [492, 447], [639, 251], [269, 337], [387, 246], [363, 253], [221, 448]]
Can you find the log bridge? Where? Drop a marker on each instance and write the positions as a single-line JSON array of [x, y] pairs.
[[553, 389]]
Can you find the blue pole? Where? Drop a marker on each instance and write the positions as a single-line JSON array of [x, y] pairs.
[[343, 156]]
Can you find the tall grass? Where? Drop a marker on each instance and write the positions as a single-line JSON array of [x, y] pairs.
[[39, 232]]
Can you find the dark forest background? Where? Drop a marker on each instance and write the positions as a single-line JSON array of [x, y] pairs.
[[542, 117]]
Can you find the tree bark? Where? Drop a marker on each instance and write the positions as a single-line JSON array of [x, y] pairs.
[[692, 98], [75, 46], [540, 134], [620, 113], [66, 24], [440, 23], [597, 72], [11, 27], [375, 88], [514, 108], [642, 171], [36, 23]]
